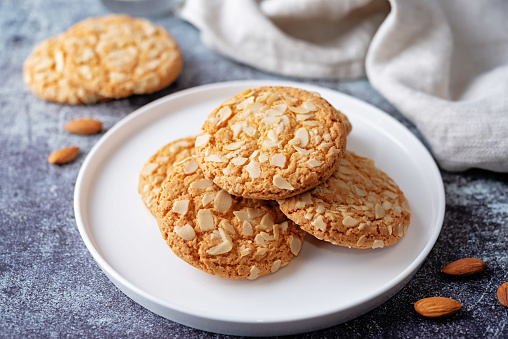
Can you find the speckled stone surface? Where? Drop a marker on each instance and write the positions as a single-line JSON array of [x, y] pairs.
[[50, 286]]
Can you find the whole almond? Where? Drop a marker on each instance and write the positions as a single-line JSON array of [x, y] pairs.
[[84, 126], [464, 267], [502, 294], [437, 307], [64, 155]]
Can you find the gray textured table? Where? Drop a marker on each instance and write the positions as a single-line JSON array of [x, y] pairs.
[[51, 286]]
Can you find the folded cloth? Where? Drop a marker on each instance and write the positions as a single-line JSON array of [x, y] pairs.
[[443, 64]]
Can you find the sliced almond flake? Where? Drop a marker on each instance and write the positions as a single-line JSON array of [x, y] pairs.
[[244, 251], [239, 161], [320, 209], [223, 234], [249, 130], [262, 157], [254, 154], [271, 120], [247, 228], [149, 168], [254, 273], [310, 106], [284, 226], [261, 251], [273, 112], [205, 220], [276, 232], [278, 160], [163, 160], [314, 163], [235, 145], [379, 210], [285, 120], [241, 216], [309, 216], [280, 107], [304, 116], [184, 160], [298, 110], [207, 198], [295, 245], [275, 266], [319, 223], [185, 232], [397, 209], [400, 230], [272, 135], [253, 169], [350, 221], [273, 97], [226, 171], [345, 170], [224, 224], [266, 221], [223, 247], [324, 144], [361, 240], [303, 136], [327, 137], [181, 207], [244, 103], [301, 150], [216, 158], [387, 205], [253, 214], [378, 244], [236, 128], [267, 236], [359, 191], [282, 183], [270, 143], [390, 194], [289, 97], [406, 207], [334, 150], [191, 167], [222, 201], [280, 128], [307, 198], [362, 226], [223, 114], [254, 107], [260, 240], [310, 123], [300, 205], [201, 184], [317, 139]]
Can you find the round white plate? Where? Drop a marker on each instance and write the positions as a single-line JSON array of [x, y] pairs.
[[323, 286]]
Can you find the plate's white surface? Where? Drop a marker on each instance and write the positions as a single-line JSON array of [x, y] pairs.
[[323, 286]]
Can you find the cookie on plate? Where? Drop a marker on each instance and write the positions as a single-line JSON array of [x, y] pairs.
[[223, 235], [116, 56], [271, 142], [43, 73], [154, 170], [358, 206]]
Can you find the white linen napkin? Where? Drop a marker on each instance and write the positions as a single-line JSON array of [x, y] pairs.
[[443, 64]]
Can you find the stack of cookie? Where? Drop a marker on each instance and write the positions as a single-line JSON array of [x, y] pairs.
[[103, 58], [269, 166]]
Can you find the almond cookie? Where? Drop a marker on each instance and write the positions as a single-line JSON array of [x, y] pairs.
[[154, 171], [117, 56], [223, 235], [43, 73], [358, 206], [271, 142]]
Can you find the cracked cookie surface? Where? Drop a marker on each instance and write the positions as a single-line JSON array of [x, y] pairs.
[[272, 142], [358, 206]]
